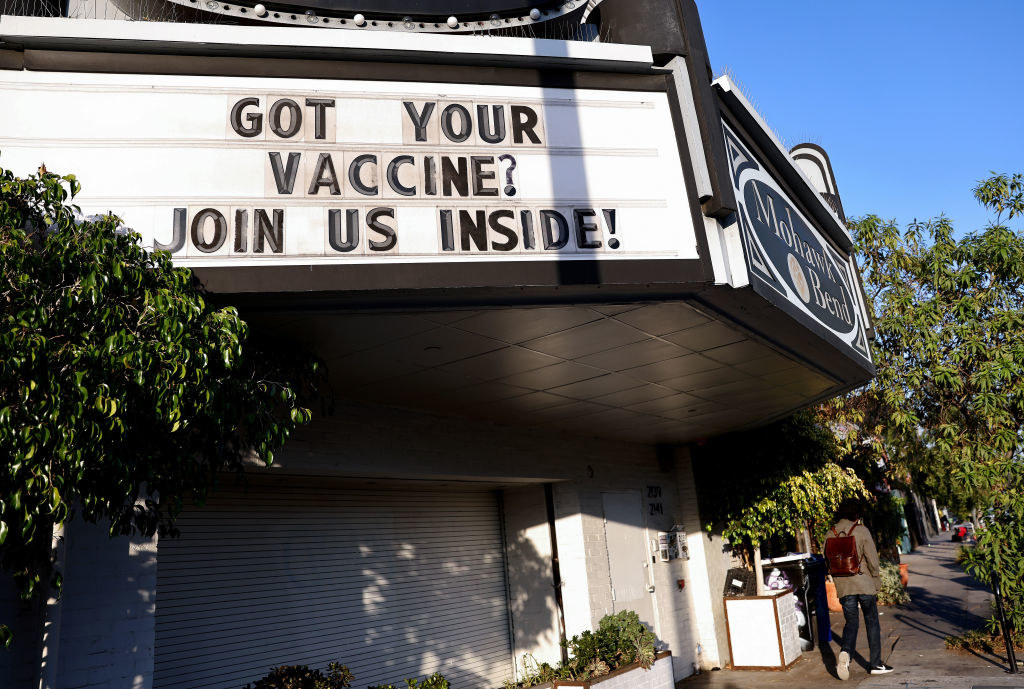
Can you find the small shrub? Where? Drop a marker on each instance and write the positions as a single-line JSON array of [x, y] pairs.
[[621, 639], [891, 591], [435, 681], [628, 639], [534, 673], [984, 641], [301, 677]]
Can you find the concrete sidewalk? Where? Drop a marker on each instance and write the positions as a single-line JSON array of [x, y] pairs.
[[944, 601]]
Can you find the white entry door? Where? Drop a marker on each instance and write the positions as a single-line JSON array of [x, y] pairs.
[[628, 560]]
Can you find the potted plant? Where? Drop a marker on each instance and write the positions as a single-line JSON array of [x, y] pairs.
[[622, 647]]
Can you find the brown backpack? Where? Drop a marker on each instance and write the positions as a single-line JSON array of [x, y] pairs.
[[841, 553]]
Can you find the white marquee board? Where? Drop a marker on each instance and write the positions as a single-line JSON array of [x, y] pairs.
[[228, 171]]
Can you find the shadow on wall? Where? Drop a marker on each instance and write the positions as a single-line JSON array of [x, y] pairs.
[[104, 626], [531, 599], [391, 583], [19, 664], [106, 617]]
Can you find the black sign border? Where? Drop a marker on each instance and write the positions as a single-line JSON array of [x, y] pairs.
[[764, 281]]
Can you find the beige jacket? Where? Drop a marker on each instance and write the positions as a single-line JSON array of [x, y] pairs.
[[869, 579]]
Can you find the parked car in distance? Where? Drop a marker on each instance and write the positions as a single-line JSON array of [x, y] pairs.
[[963, 532]]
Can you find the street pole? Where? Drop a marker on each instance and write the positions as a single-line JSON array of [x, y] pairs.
[[1011, 656]]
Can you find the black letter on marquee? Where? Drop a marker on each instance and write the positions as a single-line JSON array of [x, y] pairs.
[[581, 218], [447, 233], [255, 120], [241, 225], [324, 176], [450, 176], [491, 135], [285, 179], [429, 176], [550, 242], [473, 228], [390, 238], [272, 233], [446, 123], [220, 230], [353, 174], [294, 120], [524, 119], [320, 106], [177, 235], [419, 121], [480, 175], [526, 218], [335, 230], [396, 184], [511, 240]]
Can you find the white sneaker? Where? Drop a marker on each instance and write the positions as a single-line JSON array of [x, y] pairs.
[[882, 669], [843, 665]]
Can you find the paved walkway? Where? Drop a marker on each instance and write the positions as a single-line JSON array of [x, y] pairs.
[[944, 601]]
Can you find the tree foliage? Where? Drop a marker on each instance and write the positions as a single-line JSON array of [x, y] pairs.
[[773, 481], [123, 392], [947, 405]]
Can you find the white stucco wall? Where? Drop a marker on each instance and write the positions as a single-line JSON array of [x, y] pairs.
[[530, 578]]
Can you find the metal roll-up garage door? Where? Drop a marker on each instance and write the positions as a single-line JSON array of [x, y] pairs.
[[392, 583]]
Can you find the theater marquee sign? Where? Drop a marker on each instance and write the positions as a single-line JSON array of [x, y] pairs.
[[789, 261], [229, 171]]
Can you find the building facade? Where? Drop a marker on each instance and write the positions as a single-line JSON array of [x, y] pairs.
[[537, 269]]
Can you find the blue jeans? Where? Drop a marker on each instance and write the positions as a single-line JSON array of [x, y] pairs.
[[869, 604]]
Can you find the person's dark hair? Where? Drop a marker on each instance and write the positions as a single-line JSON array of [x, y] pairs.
[[850, 508]]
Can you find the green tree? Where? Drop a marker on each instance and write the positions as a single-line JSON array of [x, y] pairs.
[[947, 405], [123, 392], [774, 481]]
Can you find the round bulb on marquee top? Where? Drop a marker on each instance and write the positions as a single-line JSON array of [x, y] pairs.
[[359, 20], [534, 14], [453, 22], [260, 10]]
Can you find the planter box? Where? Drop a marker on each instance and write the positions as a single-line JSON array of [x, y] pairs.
[[763, 632], [659, 676]]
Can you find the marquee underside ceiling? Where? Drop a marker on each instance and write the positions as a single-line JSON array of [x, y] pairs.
[[650, 373]]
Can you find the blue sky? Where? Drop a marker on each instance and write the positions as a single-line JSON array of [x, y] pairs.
[[914, 101]]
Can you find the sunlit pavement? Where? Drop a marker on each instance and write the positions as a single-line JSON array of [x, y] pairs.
[[944, 601]]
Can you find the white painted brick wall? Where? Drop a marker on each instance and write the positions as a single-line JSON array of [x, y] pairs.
[[108, 607], [658, 677], [704, 650], [789, 628]]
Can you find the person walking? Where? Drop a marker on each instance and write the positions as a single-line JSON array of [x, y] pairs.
[[853, 561]]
